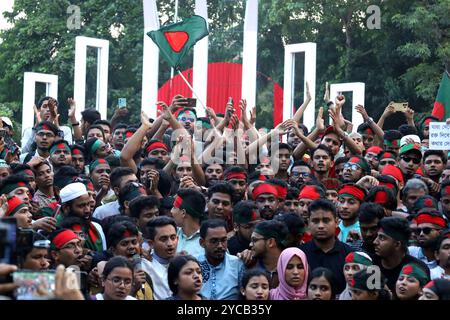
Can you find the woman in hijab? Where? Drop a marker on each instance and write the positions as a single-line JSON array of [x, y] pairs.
[[293, 273]]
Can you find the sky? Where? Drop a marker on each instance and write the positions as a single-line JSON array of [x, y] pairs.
[[5, 5]]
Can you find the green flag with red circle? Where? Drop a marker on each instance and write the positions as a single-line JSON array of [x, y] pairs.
[[175, 40], [441, 109]]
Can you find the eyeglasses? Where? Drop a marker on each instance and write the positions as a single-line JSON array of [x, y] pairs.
[[303, 174], [216, 241], [255, 240], [43, 134], [72, 246], [352, 166], [409, 159], [118, 281], [426, 230]]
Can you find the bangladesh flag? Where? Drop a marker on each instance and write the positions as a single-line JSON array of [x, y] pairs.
[[175, 40], [441, 109]]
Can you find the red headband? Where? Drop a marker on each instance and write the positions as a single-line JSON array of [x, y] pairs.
[[354, 160], [427, 218], [427, 121], [63, 237], [368, 131], [177, 202], [236, 175], [262, 177], [447, 190], [156, 145], [29, 172], [386, 184], [391, 170], [282, 191], [309, 192], [264, 188], [76, 227], [129, 134], [374, 149], [127, 234], [352, 191], [76, 151], [381, 197]]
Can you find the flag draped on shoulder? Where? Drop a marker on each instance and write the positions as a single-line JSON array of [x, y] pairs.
[[441, 109], [175, 40]]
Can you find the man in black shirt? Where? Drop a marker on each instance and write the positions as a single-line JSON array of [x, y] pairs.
[[391, 247], [245, 217], [325, 250]]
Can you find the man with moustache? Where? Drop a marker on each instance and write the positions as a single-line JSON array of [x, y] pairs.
[[46, 133], [60, 155], [265, 196], [221, 271], [220, 203]]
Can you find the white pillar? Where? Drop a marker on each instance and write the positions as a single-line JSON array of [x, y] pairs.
[[29, 92], [358, 96], [81, 44], [150, 65], [309, 48], [249, 56], [200, 67]]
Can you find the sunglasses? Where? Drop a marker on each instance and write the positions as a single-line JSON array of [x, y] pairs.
[[426, 230], [303, 174], [352, 166], [409, 159]]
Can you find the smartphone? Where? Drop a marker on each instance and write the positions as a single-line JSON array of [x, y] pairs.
[[122, 103], [8, 240], [34, 285], [400, 106], [230, 101], [191, 103]]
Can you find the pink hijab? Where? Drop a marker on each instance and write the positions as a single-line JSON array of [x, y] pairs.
[[285, 291]]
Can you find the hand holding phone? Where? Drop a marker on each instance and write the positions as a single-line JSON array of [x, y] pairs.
[[191, 103], [34, 285], [399, 106]]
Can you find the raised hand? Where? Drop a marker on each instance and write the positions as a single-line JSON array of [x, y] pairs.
[[37, 114], [320, 123], [72, 107], [389, 110], [178, 102], [308, 92], [253, 115], [3, 205], [409, 113], [166, 112], [362, 111], [145, 121], [326, 96]]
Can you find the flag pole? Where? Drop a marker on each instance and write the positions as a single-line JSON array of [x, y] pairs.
[[192, 89]]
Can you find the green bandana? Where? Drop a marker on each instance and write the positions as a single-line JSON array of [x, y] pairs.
[[97, 144]]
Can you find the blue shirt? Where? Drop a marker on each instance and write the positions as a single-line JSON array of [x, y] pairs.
[[189, 244], [221, 282]]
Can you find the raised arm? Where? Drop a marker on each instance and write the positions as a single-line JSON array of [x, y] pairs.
[[389, 110], [299, 113], [375, 127], [77, 134], [352, 146], [133, 144], [302, 146]]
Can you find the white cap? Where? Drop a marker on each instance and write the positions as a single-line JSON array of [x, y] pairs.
[[413, 137], [72, 191], [7, 121]]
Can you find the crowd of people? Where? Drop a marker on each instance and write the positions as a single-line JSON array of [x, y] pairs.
[[183, 207]]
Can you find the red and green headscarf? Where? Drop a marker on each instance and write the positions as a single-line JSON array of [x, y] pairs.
[[413, 270]]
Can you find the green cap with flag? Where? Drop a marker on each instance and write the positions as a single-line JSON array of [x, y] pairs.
[[175, 40], [441, 109]]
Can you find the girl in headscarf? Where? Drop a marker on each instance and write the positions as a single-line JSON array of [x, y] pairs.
[[293, 273], [438, 289]]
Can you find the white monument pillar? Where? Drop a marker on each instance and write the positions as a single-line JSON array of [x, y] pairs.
[[29, 92], [309, 48], [81, 44], [358, 96]]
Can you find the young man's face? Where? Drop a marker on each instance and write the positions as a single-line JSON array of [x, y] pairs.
[[372, 159], [445, 203], [322, 225], [81, 207], [220, 206], [332, 195], [160, 153], [369, 231], [45, 111], [303, 205], [215, 244], [384, 245], [245, 230], [258, 245], [339, 169], [44, 139], [4, 173], [78, 162], [127, 247], [184, 169], [44, 176], [367, 140], [433, 166], [240, 186], [267, 205], [426, 234], [348, 208], [300, 175], [409, 163], [293, 140], [385, 162], [445, 175], [321, 161], [332, 141], [100, 175], [443, 254], [352, 172], [61, 157], [146, 215], [213, 173], [284, 159], [107, 132], [292, 206], [37, 260], [69, 254], [95, 133], [117, 138], [22, 193], [165, 242]]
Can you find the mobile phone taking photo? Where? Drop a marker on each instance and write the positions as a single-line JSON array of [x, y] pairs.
[[34, 285], [191, 103], [122, 103]]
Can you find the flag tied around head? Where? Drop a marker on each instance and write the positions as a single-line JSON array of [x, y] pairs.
[[441, 109], [175, 40]]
